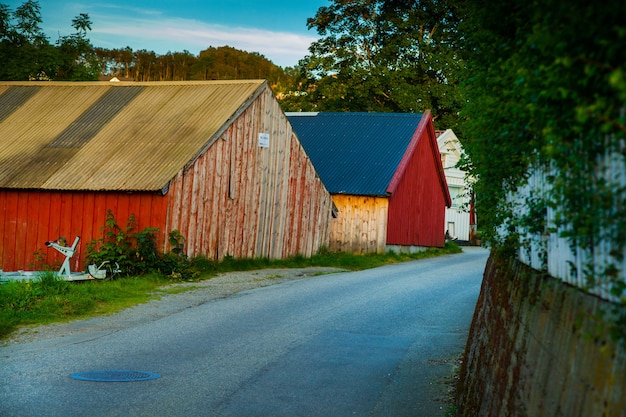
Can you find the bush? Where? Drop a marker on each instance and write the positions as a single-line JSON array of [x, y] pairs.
[[136, 252]]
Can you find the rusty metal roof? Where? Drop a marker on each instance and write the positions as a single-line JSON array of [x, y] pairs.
[[111, 136]]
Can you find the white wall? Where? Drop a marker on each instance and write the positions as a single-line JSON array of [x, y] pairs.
[[551, 252], [457, 217]]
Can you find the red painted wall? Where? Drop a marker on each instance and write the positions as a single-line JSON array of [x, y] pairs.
[[236, 199], [418, 196], [29, 218]]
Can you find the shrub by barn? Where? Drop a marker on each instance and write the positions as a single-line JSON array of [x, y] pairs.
[[216, 160]]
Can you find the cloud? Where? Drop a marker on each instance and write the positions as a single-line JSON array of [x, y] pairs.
[[154, 32]]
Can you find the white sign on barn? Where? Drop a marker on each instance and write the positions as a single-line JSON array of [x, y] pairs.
[[264, 140]]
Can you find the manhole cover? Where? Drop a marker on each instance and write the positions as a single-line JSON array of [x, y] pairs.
[[115, 376]]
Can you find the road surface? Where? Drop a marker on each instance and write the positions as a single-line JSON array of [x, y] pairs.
[[379, 342]]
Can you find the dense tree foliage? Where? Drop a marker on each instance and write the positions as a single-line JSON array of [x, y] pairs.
[[77, 60], [546, 87], [26, 53], [374, 55], [377, 55], [221, 63], [229, 63]]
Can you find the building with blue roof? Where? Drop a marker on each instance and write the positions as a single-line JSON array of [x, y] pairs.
[[385, 174]]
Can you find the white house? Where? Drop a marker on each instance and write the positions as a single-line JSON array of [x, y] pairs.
[[457, 223]]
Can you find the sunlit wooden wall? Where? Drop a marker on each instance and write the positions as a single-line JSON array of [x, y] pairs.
[[361, 224], [236, 199], [247, 201]]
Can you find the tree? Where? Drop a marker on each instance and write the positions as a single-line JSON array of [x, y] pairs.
[[25, 52], [117, 62], [226, 62], [181, 65], [145, 63], [546, 87], [77, 59], [377, 55]]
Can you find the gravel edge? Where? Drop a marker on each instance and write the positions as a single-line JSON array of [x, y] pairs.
[[221, 286]]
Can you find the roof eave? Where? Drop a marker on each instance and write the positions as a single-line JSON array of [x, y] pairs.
[[262, 87], [426, 127]]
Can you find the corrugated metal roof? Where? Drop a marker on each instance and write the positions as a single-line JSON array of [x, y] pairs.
[[110, 136], [355, 153]]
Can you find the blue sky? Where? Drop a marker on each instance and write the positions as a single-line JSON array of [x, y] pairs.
[[274, 28]]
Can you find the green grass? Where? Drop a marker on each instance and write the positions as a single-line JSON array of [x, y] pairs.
[[343, 260], [48, 299]]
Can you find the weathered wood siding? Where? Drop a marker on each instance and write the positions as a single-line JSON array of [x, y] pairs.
[[29, 218], [247, 201], [361, 224], [235, 199]]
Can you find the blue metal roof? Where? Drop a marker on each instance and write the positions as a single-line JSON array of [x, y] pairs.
[[355, 153]]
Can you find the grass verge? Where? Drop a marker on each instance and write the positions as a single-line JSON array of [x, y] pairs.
[[349, 261], [48, 299]]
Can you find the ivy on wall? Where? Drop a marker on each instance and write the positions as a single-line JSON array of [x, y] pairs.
[[546, 90]]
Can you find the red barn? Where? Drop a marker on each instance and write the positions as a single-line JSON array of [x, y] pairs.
[[385, 174], [217, 161]]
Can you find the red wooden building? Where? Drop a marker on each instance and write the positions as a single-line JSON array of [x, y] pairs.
[[217, 161], [385, 174]]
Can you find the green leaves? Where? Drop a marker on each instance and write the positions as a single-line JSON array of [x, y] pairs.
[[547, 88], [27, 54], [387, 56]]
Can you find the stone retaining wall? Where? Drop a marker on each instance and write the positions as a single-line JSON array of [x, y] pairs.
[[539, 347]]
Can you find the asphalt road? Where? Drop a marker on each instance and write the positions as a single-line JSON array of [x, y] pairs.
[[380, 342]]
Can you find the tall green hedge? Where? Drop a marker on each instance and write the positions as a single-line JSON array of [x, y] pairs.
[[546, 88]]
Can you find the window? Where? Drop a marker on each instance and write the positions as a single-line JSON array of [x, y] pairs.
[[456, 194]]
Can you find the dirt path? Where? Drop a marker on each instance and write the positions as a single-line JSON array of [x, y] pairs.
[[222, 286]]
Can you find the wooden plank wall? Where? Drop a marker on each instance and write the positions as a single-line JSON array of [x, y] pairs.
[[29, 218], [245, 201], [361, 224], [417, 206], [461, 220], [552, 251], [236, 199]]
